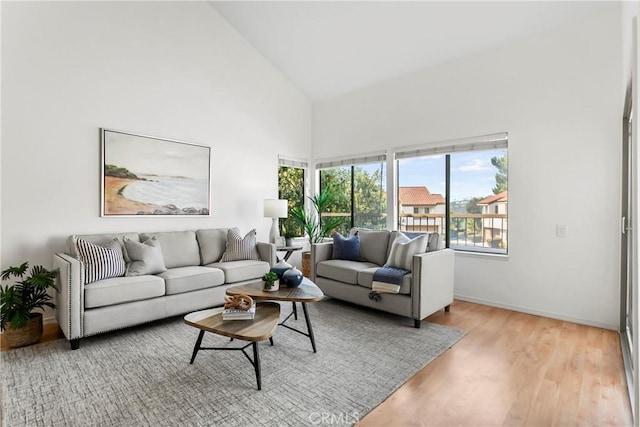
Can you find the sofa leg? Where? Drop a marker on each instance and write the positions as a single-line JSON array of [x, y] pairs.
[[417, 323], [75, 344], [447, 308]]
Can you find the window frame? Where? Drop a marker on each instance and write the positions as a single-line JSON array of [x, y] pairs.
[[448, 148]]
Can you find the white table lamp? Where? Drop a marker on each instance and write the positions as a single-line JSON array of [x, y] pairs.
[[275, 208]]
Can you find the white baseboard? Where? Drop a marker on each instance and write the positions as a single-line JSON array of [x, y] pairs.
[[537, 312]]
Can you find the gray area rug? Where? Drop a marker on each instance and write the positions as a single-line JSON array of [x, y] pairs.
[[142, 376]]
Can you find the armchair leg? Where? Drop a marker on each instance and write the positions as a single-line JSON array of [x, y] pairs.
[[447, 308], [417, 323], [75, 344]]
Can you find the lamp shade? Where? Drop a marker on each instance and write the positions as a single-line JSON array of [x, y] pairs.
[[275, 208]]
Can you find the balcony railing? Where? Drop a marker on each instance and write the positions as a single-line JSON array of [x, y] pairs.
[[482, 232], [475, 232]]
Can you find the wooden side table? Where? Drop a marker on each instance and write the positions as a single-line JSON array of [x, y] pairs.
[[260, 328]]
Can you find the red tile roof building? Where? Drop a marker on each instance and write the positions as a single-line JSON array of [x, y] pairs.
[[418, 196]]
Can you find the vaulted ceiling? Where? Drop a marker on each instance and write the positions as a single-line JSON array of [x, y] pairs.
[[327, 48]]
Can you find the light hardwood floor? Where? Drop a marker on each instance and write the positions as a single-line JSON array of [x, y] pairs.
[[509, 369], [514, 369]]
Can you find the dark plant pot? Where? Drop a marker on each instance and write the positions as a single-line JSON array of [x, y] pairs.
[[27, 335]]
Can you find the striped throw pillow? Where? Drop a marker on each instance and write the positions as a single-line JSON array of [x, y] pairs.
[[403, 249], [100, 262], [240, 248]]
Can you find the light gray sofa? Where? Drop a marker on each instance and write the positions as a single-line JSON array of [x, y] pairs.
[[427, 289], [195, 279]]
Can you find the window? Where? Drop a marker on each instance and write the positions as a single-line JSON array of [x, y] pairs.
[[359, 187], [291, 188], [416, 210], [464, 188]]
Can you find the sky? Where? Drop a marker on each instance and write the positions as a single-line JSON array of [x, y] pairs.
[[144, 156], [472, 174]]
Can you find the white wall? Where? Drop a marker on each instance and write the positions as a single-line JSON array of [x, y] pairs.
[[558, 96], [168, 69]]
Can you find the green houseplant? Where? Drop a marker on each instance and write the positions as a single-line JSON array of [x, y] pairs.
[[22, 327], [268, 281], [314, 225]]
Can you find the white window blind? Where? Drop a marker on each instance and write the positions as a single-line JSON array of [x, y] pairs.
[[361, 160], [293, 163], [487, 142]]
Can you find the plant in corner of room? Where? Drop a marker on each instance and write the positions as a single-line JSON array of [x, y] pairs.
[[312, 223], [269, 279], [17, 302]]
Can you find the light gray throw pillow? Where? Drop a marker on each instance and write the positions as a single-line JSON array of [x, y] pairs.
[[403, 249], [146, 257]]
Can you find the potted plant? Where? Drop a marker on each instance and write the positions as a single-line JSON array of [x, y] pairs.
[[314, 225], [270, 282], [22, 327]]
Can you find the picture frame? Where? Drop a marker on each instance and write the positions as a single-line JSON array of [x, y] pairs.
[[146, 175]]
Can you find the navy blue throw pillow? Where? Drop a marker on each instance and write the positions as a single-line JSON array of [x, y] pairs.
[[346, 248]]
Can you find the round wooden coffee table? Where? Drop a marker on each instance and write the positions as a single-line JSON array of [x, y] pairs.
[[306, 292], [260, 328]]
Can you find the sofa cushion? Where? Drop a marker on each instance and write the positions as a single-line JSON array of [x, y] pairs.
[[179, 248], [144, 258], [365, 278], [122, 289], [239, 271], [187, 279], [346, 248], [342, 270], [100, 261], [373, 245], [403, 249], [212, 243], [240, 248]]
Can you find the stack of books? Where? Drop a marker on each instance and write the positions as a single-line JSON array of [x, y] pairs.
[[237, 314]]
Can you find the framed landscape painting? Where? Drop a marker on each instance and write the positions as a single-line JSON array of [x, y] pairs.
[[146, 175]]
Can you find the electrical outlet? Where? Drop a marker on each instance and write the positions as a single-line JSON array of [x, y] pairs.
[[561, 231]]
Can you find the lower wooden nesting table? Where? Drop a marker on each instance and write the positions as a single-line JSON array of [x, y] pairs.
[[260, 328], [306, 292]]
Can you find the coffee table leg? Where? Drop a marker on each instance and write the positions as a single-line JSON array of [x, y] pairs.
[[256, 364], [197, 347], [309, 328], [295, 310]]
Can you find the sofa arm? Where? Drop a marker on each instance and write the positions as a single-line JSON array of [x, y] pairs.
[[320, 252], [267, 252], [432, 285], [70, 295]]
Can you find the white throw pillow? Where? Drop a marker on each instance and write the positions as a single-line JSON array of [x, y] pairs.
[[403, 249], [240, 248], [146, 257], [100, 262]]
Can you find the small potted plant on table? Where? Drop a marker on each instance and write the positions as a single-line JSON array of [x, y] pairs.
[[270, 282], [22, 327]]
